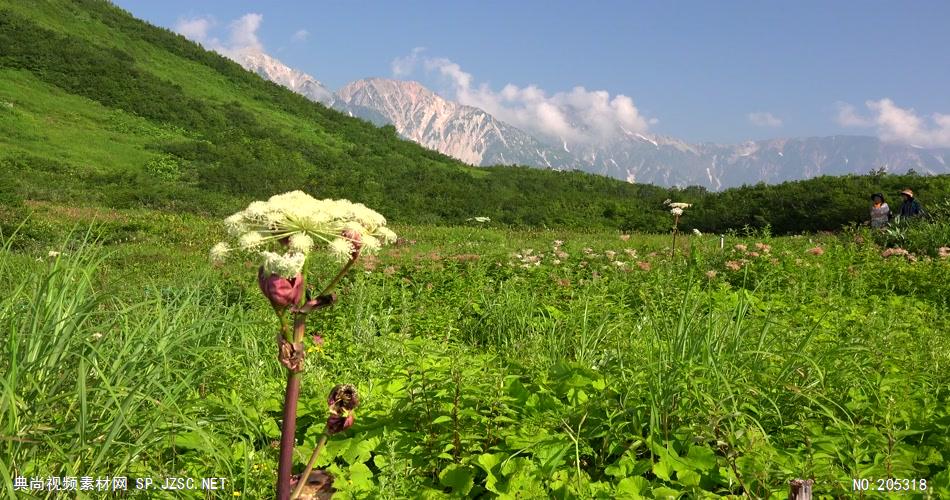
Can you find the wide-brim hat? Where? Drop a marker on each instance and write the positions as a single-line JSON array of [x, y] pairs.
[[908, 192]]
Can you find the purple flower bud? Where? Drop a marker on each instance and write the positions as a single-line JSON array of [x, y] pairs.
[[339, 423], [342, 402], [281, 292]]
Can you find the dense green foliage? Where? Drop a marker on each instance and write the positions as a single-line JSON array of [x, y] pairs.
[[99, 108], [488, 363]]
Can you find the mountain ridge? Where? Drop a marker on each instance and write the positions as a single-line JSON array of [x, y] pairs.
[[476, 137]]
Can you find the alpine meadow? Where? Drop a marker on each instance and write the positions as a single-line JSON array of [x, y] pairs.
[[204, 275]]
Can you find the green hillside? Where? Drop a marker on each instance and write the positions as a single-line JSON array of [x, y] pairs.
[[99, 108]]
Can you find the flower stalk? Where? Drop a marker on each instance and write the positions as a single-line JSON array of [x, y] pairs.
[[676, 209], [282, 231]]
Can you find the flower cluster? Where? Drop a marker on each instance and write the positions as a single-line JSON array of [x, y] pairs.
[[900, 252], [677, 208], [943, 252], [295, 223]]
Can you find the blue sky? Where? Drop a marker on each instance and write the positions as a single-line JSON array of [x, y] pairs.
[[703, 71]]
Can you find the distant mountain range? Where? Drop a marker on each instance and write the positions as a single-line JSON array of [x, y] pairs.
[[476, 137]]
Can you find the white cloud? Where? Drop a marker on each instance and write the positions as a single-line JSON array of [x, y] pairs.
[[404, 66], [578, 115], [195, 28], [300, 35], [764, 119], [897, 124], [243, 38], [242, 34], [848, 117]]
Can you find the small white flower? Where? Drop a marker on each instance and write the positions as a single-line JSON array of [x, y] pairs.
[[219, 251], [250, 240], [370, 244], [676, 211], [386, 234], [341, 248], [300, 242], [53, 254], [697, 232]]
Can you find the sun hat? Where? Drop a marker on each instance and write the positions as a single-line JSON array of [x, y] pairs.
[[908, 192]]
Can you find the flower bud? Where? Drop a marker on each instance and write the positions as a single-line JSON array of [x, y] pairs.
[[281, 292], [342, 402], [338, 423]]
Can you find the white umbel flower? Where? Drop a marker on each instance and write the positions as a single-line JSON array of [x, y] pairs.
[[683, 206], [697, 232], [297, 223], [676, 211]]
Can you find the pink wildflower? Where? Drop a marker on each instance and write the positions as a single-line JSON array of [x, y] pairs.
[[740, 247], [624, 237], [734, 265], [894, 251], [645, 266], [816, 251]]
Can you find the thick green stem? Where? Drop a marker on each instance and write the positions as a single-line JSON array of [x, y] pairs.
[[305, 476], [336, 279]]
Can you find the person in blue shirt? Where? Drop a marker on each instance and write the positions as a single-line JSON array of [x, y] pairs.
[[911, 207]]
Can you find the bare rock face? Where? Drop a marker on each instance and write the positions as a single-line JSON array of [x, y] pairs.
[[272, 69], [463, 132]]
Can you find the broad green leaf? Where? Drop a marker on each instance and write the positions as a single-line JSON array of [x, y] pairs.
[[663, 470], [457, 477]]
